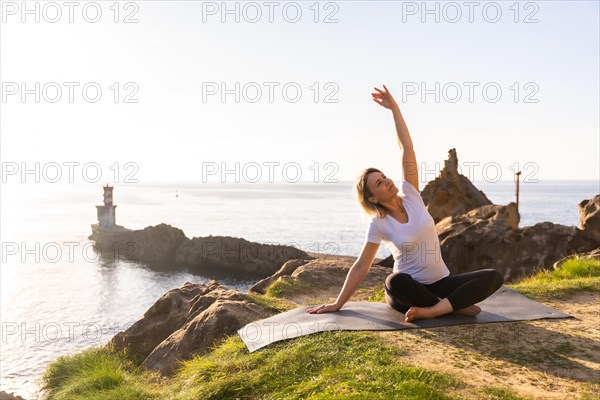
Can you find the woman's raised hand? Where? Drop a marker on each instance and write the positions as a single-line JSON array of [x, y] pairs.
[[384, 98], [323, 308]]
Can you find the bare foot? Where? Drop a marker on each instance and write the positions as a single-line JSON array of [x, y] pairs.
[[471, 310], [417, 313]]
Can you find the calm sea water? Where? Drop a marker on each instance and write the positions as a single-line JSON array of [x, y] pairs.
[[57, 298]]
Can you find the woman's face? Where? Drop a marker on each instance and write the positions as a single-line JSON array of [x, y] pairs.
[[381, 187]]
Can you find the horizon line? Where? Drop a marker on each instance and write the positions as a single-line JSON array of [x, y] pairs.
[[304, 182]]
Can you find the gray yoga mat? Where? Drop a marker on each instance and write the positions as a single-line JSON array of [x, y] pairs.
[[504, 305]]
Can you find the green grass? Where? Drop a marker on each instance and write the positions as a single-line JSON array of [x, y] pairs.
[[378, 295], [272, 303], [286, 287], [574, 275], [323, 365], [97, 373]]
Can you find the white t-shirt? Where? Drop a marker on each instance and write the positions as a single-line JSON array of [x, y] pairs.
[[415, 245]]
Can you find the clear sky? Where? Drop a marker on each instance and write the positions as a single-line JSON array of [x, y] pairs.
[[547, 52]]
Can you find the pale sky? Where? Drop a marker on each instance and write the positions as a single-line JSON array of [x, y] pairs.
[[171, 54]]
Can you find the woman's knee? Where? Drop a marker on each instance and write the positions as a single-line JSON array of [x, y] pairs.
[[397, 279], [495, 277]]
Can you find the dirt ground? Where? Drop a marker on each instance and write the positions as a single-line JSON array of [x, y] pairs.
[[540, 359]]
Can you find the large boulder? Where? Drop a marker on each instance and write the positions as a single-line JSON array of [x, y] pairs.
[[204, 330], [470, 242], [452, 193], [165, 316], [589, 218], [322, 275], [286, 270], [185, 322]]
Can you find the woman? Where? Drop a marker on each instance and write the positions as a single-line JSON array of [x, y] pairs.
[[421, 285]]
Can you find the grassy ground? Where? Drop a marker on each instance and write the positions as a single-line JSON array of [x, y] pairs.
[[573, 276], [360, 365]]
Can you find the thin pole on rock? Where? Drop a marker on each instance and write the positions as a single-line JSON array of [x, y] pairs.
[[518, 174]]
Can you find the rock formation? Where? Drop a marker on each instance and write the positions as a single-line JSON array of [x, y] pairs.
[[151, 244], [9, 396], [286, 270], [235, 253], [470, 242], [589, 220], [452, 193], [319, 274], [166, 244], [185, 322]]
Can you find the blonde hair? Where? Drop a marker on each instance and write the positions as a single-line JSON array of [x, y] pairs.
[[363, 193]]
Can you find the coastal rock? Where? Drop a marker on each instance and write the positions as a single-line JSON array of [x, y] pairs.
[[9, 396], [167, 315], [331, 272], [152, 244], [493, 214], [474, 241], [207, 328], [236, 255], [452, 193], [185, 322], [470, 243], [321, 275], [287, 269], [167, 245], [589, 218]]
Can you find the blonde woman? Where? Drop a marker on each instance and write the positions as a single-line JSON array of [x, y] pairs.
[[420, 285]]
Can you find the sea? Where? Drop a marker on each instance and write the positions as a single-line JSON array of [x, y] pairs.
[[58, 297]]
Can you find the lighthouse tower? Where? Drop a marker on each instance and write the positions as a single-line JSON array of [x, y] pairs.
[[106, 213]]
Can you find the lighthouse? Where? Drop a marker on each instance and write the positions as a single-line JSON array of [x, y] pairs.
[[106, 212], [103, 232]]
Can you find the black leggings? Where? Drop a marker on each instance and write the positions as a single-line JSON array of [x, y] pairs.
[[462, 290]]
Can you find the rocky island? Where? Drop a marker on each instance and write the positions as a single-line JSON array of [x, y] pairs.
[[166, 245]]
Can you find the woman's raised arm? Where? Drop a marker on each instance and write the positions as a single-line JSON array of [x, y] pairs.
[[409, 160]]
